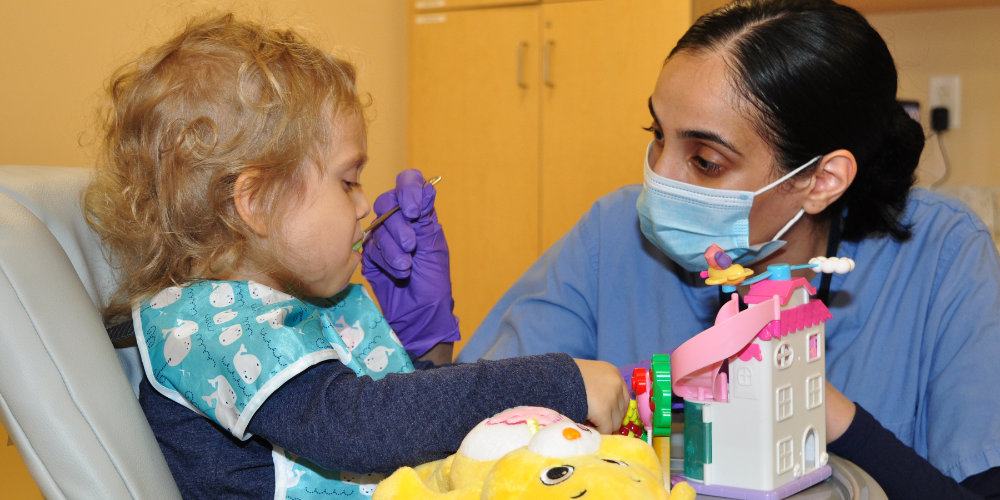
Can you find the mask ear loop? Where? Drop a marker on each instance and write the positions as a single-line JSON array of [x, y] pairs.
[[788, 226], [786, 176]]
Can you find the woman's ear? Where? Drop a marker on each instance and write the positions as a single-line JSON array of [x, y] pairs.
[[243, 198], [831, 179]]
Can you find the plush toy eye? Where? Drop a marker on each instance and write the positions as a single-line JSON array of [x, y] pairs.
[[556, 475], [616, 462]]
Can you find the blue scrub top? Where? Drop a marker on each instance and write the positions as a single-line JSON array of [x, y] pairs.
[[914, 339]]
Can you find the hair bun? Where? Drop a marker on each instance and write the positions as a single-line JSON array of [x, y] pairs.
[[888, 173]]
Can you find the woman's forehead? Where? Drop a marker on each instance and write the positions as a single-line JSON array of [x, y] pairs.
[[694, 92]]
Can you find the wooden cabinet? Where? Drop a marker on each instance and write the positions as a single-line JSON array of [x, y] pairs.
[[530, 112]]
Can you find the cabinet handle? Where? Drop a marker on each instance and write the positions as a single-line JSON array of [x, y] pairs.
[[546, 63], [520, 65]]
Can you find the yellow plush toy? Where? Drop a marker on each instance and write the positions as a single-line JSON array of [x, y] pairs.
[[531, 452]]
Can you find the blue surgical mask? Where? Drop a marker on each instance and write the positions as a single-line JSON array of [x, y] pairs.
[[683, 220]]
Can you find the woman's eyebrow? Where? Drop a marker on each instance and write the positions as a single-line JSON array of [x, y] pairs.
[[703, 135]]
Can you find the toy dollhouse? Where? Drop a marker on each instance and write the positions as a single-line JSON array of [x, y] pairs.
[[754, 386]]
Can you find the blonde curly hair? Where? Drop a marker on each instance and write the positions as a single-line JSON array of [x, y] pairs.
[[184, 121]]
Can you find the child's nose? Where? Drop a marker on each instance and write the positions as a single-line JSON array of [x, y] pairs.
[[361, 205]]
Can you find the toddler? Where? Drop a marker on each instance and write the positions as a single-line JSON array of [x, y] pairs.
[[228, 196]]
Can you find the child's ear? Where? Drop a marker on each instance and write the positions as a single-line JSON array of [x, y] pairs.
[[834, 175], [243, 198]]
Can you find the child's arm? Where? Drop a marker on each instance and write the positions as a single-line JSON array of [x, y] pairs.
[[340, 421]]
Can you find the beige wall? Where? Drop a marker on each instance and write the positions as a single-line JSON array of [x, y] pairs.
[[55, 57], [952, 42]]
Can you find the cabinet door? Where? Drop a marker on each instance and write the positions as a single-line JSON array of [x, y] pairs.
[[601, 59], [474, 120]]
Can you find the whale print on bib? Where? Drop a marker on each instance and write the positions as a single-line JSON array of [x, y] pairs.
[[247, 365], [177, 341], [224, 316], [378, 360], [275, 317], [352, 335], [230, 334], [267, 295], [224, 401], [222, 348], [222, 295], [257, 339], [166, 297]]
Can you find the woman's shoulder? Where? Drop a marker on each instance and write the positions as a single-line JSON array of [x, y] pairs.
[[944, 214], [941, 229], [612, 209], [623, 197]]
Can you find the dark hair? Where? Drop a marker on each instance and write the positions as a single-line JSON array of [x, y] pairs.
[[818, 78]]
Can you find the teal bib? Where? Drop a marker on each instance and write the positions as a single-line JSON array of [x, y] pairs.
[[221, 348]]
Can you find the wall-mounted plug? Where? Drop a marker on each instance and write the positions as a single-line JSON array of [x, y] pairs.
[[939, 119], [946, 92]]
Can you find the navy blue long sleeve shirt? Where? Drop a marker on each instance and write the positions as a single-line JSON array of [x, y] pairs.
[[340, 421]]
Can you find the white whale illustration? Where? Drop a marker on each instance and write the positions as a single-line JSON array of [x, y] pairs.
[[222, 295], [230, 334], [177, 343], [224, 401], [247, 365], [165, 297]]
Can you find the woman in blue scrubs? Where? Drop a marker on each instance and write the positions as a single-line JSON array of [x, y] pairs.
[[775, 133], [802, 92]]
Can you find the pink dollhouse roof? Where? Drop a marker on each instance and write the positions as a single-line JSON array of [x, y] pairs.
[[792, 320], [811, 313], [763, 290], [795, 319]]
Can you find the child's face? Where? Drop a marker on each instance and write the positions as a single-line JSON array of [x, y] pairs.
[[324, 221]]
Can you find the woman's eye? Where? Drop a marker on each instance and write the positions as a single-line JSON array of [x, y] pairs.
[[657, 133], [705, 166], [350, 186]]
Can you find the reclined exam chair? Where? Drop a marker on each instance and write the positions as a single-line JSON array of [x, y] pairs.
[[65, 397]]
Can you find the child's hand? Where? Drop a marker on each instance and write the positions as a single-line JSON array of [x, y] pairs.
[[607, 395]]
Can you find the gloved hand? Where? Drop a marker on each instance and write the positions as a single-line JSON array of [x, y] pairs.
[[406, 262]]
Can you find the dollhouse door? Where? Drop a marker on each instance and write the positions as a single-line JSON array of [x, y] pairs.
[[810, 451]]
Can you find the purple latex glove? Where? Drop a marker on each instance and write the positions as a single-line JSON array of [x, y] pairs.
[[406, 262]]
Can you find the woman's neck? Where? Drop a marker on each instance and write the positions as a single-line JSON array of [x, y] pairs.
[[806, 239]]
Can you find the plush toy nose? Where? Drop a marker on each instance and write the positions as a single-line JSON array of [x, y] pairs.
[[571, 434]]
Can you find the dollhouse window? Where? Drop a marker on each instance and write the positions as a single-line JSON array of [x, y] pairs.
[[784, 456], [783, 403], [814, 347], [783, 356], [744, 376], [814, 391]]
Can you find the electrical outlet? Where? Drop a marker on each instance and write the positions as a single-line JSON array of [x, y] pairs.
[[946, 92]]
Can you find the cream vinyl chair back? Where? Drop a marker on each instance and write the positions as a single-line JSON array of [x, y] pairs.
[[65, 398]]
